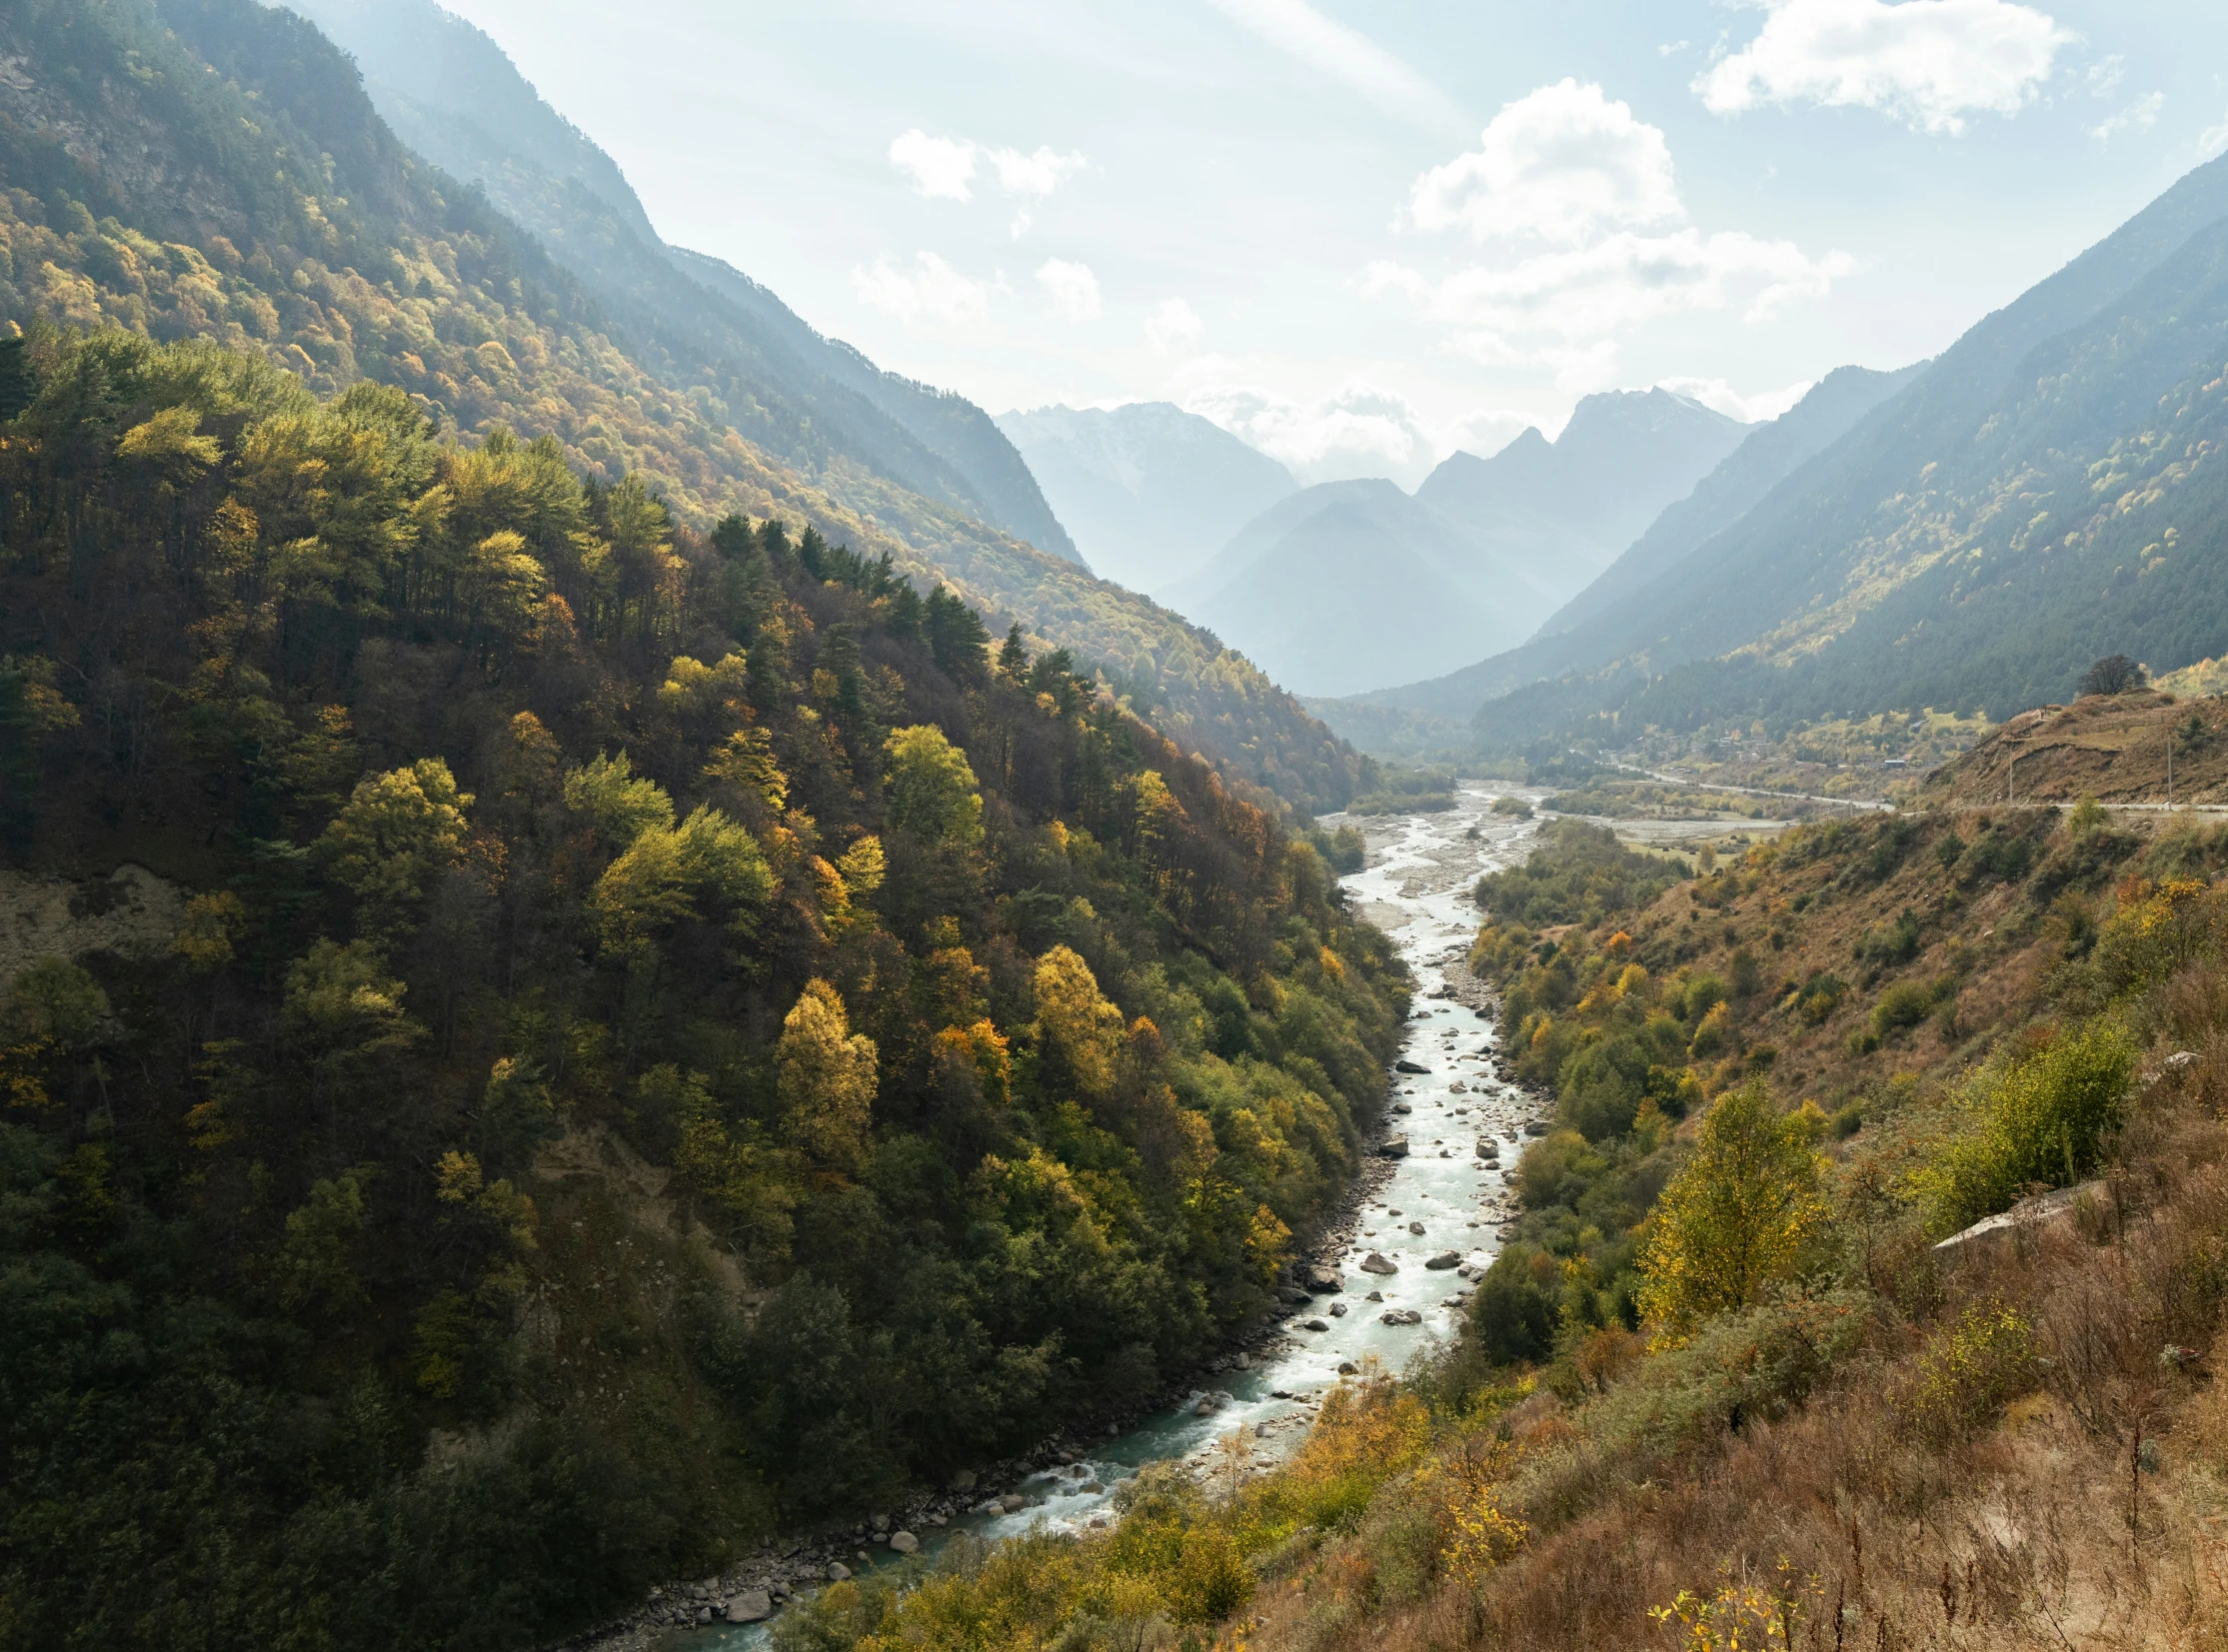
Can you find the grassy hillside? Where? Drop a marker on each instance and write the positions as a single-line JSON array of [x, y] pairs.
[[1721, 1387], [232, 182], [2115, 747], [607, 1040]]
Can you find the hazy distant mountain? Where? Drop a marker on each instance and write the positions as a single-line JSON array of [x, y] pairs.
[[451, 94], [1762, 459], [1566, 508], [1349, 586], [1346, 583], [1357, 589], [1149, 491]]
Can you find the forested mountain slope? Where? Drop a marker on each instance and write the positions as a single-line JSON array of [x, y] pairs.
[[232, 181], [816, 405], [1765, 457], [610, 1037], [1149, 491], [2046, 492]]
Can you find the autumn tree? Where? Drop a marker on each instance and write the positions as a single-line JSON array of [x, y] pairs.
[[1075, 1023], [1736, 1218], [825, 1074], [396, 834], [933, 792]]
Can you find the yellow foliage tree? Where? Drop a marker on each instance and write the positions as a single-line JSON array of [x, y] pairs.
[[931, 787], [1075, 1022], [1736, 1218], [825, 1074], [396, 834]]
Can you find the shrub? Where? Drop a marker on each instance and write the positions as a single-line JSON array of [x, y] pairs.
[[1890, 943], [1515, 1308], [1602, 1086], [2041, 1118], [1904, 1004], [1737, 1217], [1512, 805], [1820, 996], [1970, 1370]]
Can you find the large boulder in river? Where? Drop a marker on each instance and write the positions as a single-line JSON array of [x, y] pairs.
[[750, 1606], [1401, 1316], [1444, 1259], [1396, 1147], [1326, 1282], [904, 1542], [1409, 1066], [1375, 1262]]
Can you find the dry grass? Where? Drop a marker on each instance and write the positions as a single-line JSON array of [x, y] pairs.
[[2088, 1512]]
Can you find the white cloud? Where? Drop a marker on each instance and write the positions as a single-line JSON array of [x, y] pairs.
[[1359, 429], [1926, 62], [1073, 288], [1560, 163], [1326, 45], [1038, 174], [2213, 139], [941, 168], [1618, 283], [931, 290], [2105, 75], [1749, 410], [1567, 166], [1175, 326], [2139, 116]]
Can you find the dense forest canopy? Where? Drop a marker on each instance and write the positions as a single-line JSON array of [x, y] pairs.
[[660, 1033]]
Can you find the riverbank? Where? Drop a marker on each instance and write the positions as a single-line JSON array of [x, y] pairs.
[[1444, 1200]]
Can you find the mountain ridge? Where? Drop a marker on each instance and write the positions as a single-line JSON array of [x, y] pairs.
[[1888, 544]]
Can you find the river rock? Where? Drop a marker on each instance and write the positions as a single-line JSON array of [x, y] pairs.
[[1338, 1310], [964, 1480], [1409, 1066], [1326, 1282], [1403, 1108], [1375, 1262], [1538, 1126], [1401, 1316], [1415, 1227], [1395, 1147], [750, 1606], [837, 1572], [1444, 1259], [1489, 1150], [1374, 1297], [1316, 1325], [904, 1542], [1012, 1502], [1348, 1368]]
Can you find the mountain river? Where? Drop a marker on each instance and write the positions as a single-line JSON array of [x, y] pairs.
[[1444, 1195]]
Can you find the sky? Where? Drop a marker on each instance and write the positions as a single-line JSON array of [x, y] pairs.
[[1361, 236]]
